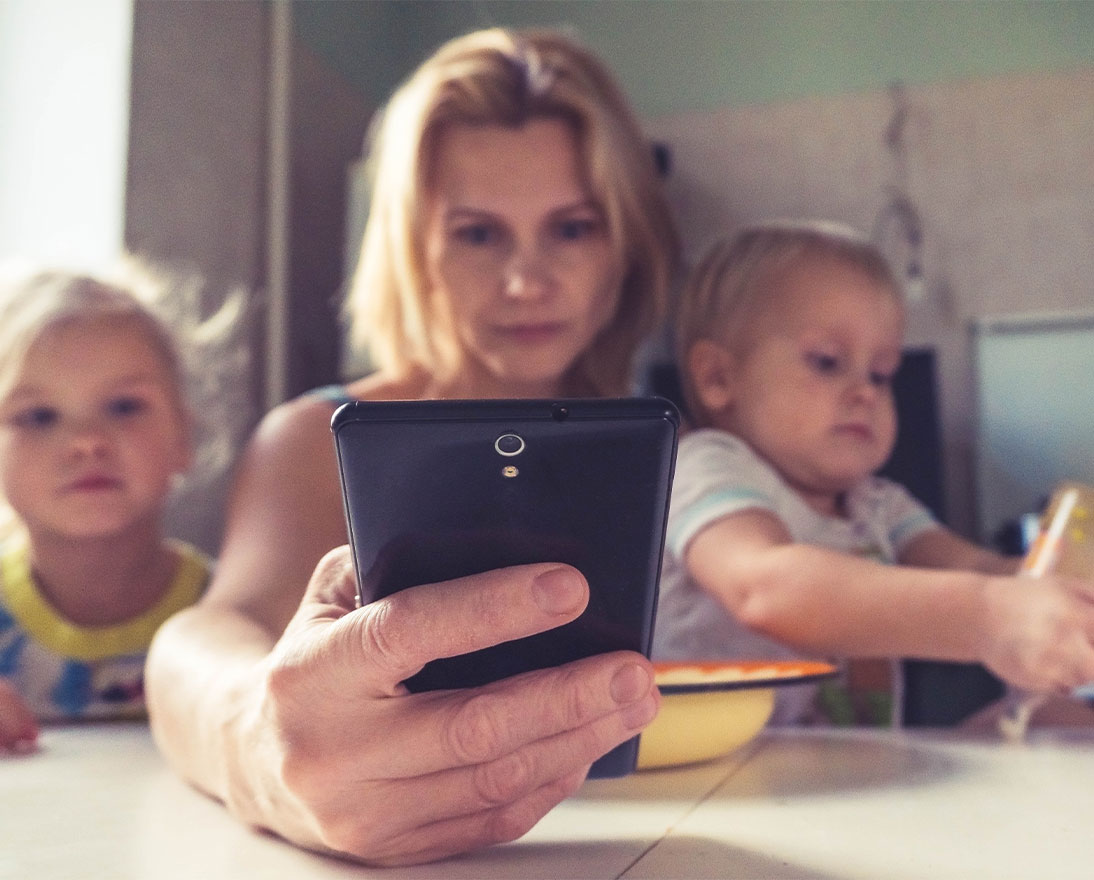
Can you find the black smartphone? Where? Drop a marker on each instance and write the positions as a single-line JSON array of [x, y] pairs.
[[441, 489]]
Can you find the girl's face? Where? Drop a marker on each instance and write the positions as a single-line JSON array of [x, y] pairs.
[[91, 432], [518, 254], [812, 392]]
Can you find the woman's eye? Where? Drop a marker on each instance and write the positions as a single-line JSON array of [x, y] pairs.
[[35, 417], [126, 406], [822, 363], [881, 379]]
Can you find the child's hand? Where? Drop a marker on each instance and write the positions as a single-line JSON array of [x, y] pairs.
[[18, 726], [1041, 632]]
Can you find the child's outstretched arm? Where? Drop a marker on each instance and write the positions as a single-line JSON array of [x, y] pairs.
[[942, 548], [1037, 634]]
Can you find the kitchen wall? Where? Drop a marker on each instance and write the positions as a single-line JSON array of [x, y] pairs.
[[784, 107], [677, 55], [999, 169], [64, 81], [239, 141], [779, 106]]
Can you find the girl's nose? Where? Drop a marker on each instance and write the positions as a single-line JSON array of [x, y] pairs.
[[88, 438]]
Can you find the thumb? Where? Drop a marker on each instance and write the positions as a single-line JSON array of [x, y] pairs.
[[332, 591]]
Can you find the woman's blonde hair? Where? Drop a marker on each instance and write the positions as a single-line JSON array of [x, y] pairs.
[[736, 280], [502, 77]]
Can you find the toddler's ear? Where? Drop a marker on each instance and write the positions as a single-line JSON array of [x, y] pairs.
[[713, 374]]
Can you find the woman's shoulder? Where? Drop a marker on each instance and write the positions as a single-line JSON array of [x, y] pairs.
[[294, 432], [301, 425], [383, 385]]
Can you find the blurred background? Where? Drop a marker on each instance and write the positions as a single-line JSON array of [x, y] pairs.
[[225, 138]]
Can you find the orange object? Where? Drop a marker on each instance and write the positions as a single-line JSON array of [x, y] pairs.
[[1065, 544]]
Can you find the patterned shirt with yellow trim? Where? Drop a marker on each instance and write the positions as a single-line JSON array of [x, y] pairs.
[[65, 671]]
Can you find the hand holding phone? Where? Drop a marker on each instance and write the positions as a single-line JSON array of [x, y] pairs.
[[437, 490]]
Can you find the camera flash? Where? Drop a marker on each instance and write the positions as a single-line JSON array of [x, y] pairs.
[[509, 471]]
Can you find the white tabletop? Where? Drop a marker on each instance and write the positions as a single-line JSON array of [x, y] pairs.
[[98, 802]]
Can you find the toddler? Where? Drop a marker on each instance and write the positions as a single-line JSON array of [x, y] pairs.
[[94, 433], [782, 543]]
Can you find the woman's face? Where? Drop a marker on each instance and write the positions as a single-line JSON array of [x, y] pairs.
[[518, 255]]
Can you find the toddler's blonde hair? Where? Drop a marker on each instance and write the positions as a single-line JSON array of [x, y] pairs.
[[736, 280]]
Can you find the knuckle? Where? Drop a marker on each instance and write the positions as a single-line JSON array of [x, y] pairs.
[[572, 699], [303, 775], [476, 731], [506, 779], [283, 681], [513, 822], [517, 819], [356, 837], [382, 639]]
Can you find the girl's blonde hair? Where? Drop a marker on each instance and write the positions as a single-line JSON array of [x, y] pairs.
[[737, 278], [503, 77], [204, 357]]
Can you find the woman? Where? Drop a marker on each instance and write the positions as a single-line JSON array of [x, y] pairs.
[[518, 245]]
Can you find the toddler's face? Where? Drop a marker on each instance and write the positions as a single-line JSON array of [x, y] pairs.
[[813, 391], [91, 433]]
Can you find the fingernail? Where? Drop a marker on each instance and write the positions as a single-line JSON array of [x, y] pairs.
[[558, 591], [630, 683]]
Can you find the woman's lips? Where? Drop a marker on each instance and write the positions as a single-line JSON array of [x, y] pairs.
[[531, 334]]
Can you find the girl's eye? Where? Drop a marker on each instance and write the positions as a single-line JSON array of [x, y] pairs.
[[35, 417], [126, 406], [822, 363], [577, 228], [881, 380]]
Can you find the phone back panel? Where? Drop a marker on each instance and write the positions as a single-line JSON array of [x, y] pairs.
[[429, 497]]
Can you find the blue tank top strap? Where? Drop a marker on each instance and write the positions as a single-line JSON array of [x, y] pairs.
[[336, 394]]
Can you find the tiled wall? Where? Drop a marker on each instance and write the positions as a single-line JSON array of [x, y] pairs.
[[1000, 170]]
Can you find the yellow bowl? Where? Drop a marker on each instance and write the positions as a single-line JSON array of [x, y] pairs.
[[711, 708]]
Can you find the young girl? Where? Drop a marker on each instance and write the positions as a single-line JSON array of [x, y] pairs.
[[94, 432], [781, 542]]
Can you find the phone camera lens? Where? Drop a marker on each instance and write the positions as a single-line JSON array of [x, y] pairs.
[[509, 444], [560, 413]]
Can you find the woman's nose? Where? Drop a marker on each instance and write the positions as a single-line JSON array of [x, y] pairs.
[[527, 274]]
